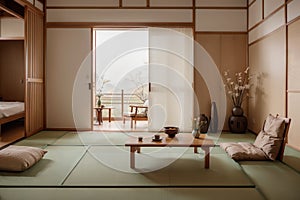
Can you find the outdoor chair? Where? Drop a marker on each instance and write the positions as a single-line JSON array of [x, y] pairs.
[[137, 113]]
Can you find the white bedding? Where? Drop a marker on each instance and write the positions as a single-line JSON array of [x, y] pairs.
[[10, 108]]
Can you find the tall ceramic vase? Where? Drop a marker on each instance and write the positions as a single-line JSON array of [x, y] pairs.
[[214, 123], [237, 121]]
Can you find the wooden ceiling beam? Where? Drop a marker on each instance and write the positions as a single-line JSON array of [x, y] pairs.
[[12, 8]]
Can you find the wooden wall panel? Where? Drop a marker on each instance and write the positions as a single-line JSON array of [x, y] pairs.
[[12, 70], [34, 72], [267, 62]]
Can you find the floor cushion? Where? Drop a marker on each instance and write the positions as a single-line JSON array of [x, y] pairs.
[[266, 145], [19, 158], [243, 151]]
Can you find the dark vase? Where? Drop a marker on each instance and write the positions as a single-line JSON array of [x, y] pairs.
[[237, 121], [237, 111], [204, 122]]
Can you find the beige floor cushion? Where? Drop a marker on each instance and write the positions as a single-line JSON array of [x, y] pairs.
[[243, 151], [266, 145], [19, 158]]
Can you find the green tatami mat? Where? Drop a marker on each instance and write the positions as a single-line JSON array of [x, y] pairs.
[[97, 138], [129, 193], [274, 179], [292, 158], [234, 137], [50, 171], [41, 139], [119, 138], [109, 166]]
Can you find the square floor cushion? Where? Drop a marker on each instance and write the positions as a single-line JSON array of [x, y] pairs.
[[19, 158]]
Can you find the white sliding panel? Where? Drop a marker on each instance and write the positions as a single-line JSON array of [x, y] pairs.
[[67, 64], [171, 78], [171, 3], [142, 3], [11, 27], [255, 13], [221, 20], [293, 10], [119, 15], [81, 3], [271, 5], [271, 24], [221, 3]]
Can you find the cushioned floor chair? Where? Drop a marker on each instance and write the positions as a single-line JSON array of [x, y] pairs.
[[268, 145]]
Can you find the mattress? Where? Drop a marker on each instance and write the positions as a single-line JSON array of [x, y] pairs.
[[8, 109]]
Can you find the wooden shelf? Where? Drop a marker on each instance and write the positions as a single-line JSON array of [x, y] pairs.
[[11, 38], [11, 132]]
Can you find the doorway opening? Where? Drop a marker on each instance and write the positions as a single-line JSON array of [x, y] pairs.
[[120, 79], [146, 67]]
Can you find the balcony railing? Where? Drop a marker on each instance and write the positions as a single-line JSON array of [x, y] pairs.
[[120, 102]]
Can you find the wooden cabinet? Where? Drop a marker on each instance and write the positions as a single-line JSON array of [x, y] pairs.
[[28, 64]]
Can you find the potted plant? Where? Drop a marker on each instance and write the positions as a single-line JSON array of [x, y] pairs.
[[237, 90]]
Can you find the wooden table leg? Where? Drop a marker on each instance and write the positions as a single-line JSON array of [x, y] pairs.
[[132, 156], [98, 116], [109, 114], [195, 150], [206, 158]]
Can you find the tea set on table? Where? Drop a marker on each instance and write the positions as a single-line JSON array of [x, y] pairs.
[[200, 125]]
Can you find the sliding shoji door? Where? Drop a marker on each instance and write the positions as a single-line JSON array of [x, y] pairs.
[[34, 72]]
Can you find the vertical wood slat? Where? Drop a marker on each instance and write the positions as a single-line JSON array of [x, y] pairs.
[[34, 72]]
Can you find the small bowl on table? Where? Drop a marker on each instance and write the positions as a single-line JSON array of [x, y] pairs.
[[171, 131]]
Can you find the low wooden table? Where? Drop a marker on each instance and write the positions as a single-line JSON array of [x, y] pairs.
[[99, 113], [180, 140]]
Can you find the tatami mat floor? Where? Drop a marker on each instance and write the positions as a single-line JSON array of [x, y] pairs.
[[95, 165]]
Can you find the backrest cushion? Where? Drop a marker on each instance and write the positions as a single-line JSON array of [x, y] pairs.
[[274, 126], [271, 137]]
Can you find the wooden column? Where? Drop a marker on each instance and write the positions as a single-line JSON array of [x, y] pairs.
[[34, 89]]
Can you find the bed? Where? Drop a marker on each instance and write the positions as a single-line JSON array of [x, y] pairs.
[[10, 111]]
